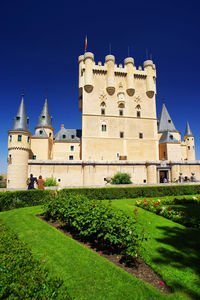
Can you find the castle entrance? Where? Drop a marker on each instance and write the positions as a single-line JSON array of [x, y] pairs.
[[164, 176]]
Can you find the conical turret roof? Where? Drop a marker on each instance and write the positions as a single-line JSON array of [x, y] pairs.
[[21, 122], [45, 119], [165, 121], [188, 131]]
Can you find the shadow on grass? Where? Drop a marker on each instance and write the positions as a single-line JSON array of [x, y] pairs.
[[186, 254]]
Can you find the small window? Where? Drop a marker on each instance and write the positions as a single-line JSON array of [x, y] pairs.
[[72, 148], [188, 139], [141, 135], [138, 114], [117, 154], [50, 134], [144, 181], [28, 139], [103, 127], [188, 147], [169, 121], [19, 138], [9, 159], [41, 132], [121, 112], [103, 111], [72, 136], [121, 134], [10, 138], [27, 120], [59, 180], [43, 117], [171, 137], [164, 153], [64, 136], [34, 157], [193, 147], [17, 118], [71, 157]]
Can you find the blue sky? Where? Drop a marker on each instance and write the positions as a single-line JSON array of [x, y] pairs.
[[40, 42]]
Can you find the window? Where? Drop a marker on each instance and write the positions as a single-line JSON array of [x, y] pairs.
[[121, 134], [10, 138], [117, 154], [144, 181], [19, 138], [71, 157], [103, 111], [64, 136], [34, 156], [41, 132], [103, 127], [59, 180], [43, 117], [121, 105], [171, 137], [27, 120], [188, 147], [141, 135], [138, 114], [17, 118], [121, 112], [28, 139], [103, 104], [9, 159], [72, 148], [164, 153], [72, 136], [50, 134], [169, 121]]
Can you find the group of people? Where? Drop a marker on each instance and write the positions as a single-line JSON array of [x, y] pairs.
[[32, 180]]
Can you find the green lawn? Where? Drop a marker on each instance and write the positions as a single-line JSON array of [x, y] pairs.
[[172, 250], [86, 274]]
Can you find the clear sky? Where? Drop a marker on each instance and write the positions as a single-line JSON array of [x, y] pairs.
[[40, 42]]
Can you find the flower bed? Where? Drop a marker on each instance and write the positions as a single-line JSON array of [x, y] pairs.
[[169, 208], [96, 221]]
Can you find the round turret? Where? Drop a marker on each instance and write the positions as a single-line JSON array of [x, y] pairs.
[[89, 80], [110, 63], [130, 82], [150, 84], [189, 141], [19, 146]]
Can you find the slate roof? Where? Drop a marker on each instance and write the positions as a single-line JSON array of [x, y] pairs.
[[41, 133], [45, 119], [68, 135], [165, 122], [21, 122], [188, 131], [167, 137]]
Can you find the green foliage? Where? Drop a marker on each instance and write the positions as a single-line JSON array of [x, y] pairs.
[[10, 200], [132, 192], [1, 177], [121, 178], [50, 181], [175, 211], [21, 276], [96, 220]]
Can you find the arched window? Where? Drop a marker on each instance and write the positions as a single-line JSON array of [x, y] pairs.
[[103, 126], [121, 105], [138, 106], [103, 104]]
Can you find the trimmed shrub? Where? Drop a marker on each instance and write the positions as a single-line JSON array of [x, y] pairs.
[[121, 178], [50, 181], [10, 200], [97, 221], [21, 276]]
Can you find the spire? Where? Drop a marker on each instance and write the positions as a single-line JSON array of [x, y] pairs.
[[21, 121], [165, 121], [45, 120], [188, 131]]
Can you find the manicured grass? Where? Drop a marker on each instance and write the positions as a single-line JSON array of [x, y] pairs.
[[172, 250], [86, 274]]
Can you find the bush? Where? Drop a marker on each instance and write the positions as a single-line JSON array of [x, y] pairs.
[[97, 221], [50, 181], [121, 178], [21, 276], [10, 200]]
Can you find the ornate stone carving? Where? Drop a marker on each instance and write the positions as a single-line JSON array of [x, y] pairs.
[[102, 95], [138, 99]]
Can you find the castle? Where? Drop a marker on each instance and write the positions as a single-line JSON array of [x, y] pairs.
[[120, 133]]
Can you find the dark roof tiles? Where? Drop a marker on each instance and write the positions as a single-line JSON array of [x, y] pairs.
[[21, 122]]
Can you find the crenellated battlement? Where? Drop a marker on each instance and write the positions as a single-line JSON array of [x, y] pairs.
[[88, 68]]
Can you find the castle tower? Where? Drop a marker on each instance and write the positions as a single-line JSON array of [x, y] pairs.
[[42, 140], [189, 141], [19, 144], [118, 109]]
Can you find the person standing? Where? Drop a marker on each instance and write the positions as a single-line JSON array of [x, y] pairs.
[[31, 182], [40, 183]]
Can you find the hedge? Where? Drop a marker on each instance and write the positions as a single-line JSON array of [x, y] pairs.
[[10, 200], [22, 276]]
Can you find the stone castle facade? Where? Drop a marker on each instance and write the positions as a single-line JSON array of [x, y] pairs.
[[120, 132]]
